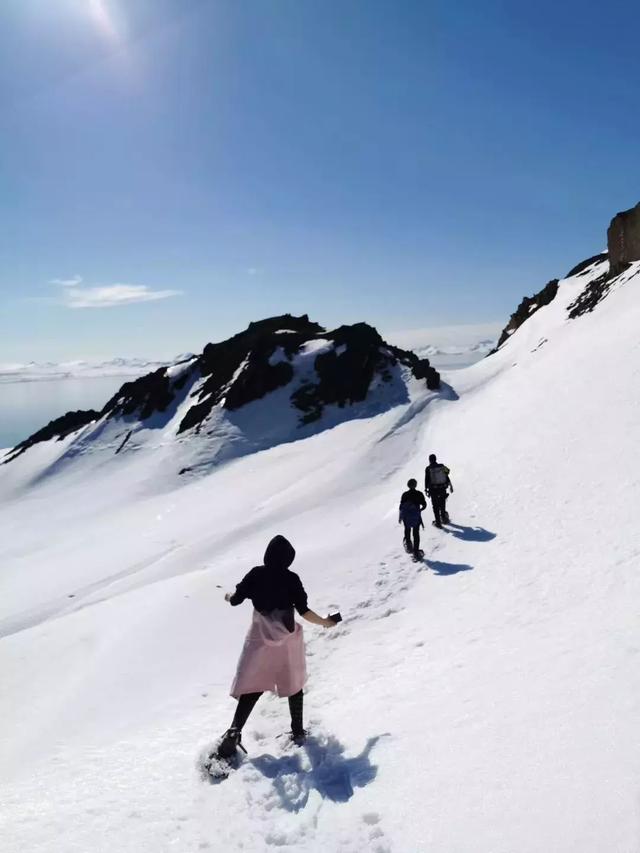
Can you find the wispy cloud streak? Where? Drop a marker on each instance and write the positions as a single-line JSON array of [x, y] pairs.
[[67, 282], [112, 295]]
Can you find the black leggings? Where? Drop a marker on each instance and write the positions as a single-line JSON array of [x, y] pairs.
[[439, 503], [247, 702], [408, 530]]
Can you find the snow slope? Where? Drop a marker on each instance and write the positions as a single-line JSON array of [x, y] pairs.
[[485, 700]]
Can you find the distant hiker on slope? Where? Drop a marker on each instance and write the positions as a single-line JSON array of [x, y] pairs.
[[436, 483], [273, 654], [412, 503]]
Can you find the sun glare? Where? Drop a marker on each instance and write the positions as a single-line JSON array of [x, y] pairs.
[[103, 18]]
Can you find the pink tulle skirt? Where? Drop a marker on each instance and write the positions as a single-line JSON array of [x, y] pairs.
[[272, 659]]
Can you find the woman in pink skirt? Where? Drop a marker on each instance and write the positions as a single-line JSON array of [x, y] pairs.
[[273, 654]]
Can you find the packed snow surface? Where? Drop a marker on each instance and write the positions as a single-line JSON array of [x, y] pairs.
[[486, 699]]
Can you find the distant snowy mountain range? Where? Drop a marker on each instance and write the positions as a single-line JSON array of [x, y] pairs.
[[450, 346], [34, 371], [482, 348]]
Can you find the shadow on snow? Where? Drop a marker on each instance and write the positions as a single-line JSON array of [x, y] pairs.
[[470, 534], [327, 771], [440, 568]]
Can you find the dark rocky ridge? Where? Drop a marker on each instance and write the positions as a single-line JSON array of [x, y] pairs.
[[221, 362], [151, 393], [345, 378], [583, 266], [59, 428], [623, 239], [593, 293], [251, 365], [240, 370], [527, 308]]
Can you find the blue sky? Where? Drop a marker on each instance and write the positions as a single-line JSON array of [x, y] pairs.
[[172, 169]]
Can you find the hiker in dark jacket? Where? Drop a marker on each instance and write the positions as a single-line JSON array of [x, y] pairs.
[[412, 503], [273, 655], [436, 483]]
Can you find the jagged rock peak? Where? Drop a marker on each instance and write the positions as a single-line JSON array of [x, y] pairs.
[[623, 239], [261, 359]]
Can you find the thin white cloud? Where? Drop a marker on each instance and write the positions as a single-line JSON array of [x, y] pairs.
[[253, 270], [113, 295], [67, 282]]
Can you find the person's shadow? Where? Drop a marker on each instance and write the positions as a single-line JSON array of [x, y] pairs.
[[327, 771], [440, 568], [469, 534]]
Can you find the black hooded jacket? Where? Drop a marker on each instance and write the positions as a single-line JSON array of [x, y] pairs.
[[272, 586]]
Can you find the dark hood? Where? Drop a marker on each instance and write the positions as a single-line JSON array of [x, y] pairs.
[[279, 554]]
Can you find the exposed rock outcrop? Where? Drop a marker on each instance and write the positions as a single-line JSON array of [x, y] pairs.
[[528, 307], [261, 359], [239, 370], [623, 240], [593, 294], [345, 371], [144, 396]]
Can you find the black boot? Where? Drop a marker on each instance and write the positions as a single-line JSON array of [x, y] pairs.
[[231, 740]]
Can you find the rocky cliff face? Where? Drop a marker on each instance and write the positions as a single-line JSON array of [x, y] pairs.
[[315, 367], [528, 307], [623, 239]]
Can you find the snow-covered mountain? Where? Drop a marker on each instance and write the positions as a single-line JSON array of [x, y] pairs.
[[281, 379], [486, 700]]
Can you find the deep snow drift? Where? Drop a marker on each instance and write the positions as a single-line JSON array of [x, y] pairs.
[[484, 700]]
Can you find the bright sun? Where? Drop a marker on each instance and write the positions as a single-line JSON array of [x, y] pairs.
[[103, 17]]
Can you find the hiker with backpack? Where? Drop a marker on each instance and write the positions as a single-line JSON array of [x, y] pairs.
[[273, 656], [436, 483], [412, 503]]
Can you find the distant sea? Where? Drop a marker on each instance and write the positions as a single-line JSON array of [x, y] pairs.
[[26, 407]]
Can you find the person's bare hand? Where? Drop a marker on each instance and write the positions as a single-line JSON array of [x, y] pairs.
[[329, 623]]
